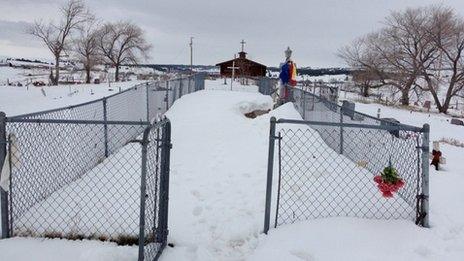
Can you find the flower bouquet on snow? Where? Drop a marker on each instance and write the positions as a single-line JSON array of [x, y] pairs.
[[388, 182]]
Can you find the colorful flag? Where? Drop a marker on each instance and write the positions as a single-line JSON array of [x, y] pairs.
[[288, 73]]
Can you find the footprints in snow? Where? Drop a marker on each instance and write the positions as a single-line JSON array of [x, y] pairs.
[[197, 211], [301, 255]]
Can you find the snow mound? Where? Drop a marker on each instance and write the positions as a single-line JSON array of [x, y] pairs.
[[250, 106], [59, 250], [348, 239]]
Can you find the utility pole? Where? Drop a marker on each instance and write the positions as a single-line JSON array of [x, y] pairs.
[[191, 55]]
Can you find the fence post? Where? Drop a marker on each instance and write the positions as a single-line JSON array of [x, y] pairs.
[[341, 130], [304, 105], [3, 193], [164, 182], [143, 193], [180, 87], [148, 102], [425, 175], [174, 92], [270, 168], [105, 125], [167, 95], [279, 183]]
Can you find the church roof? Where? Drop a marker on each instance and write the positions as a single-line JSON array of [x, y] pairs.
[[240, 59]]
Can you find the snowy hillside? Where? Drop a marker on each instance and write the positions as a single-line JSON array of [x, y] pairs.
[[217, 192]]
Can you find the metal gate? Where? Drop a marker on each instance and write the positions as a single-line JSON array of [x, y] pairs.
[[61, 183], [154, 190], [327, 169]]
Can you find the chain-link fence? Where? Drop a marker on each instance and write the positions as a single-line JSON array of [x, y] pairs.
[[326, 165], [267, 85], [77, 172]]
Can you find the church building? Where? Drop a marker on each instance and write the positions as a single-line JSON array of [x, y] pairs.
[[243, 67]]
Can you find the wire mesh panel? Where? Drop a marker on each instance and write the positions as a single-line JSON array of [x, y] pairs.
[[266, 85], [62, 185], [157, 99], [128, 106], [317, 181]]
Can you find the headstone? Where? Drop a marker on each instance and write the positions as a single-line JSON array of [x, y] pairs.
[[348, 109], [456, 121], [391, 122], [427, 105]]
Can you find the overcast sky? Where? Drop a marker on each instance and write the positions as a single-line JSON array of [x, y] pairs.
[[315, 30]]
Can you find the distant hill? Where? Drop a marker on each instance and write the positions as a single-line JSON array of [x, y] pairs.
[[26, 60], [317, 71], [211, 68], [179, 67]]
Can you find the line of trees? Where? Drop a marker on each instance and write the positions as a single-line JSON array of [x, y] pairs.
[[413, 51], [89, 41]]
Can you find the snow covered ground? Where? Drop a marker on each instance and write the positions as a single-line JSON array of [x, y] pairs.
[[416, 101], [217, 189], [359, 239], [218, 174], [19, 75], [21, 100]]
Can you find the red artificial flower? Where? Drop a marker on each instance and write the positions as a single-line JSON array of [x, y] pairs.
[[386, 188], [387, 194]]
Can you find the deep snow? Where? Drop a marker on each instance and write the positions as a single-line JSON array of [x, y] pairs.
[[218, 175], [217, 189], [360, 239]]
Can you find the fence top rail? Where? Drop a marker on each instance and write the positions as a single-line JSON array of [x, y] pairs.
[[393, 126], [60, 121], [154, 125]]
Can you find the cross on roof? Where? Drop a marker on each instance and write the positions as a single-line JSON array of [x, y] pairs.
[[243, 45]]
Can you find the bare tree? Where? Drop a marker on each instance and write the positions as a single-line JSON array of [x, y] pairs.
[[122, 43], [396, 53], [86, 47], [367, 80], [446, 30], [373, 70], [56, 35]]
